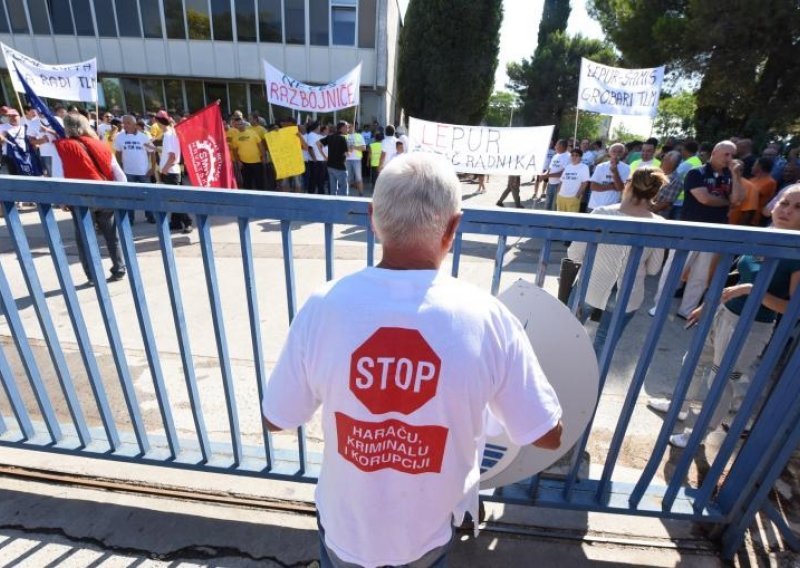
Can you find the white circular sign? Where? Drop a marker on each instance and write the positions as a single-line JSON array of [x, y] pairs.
[[567, 357]]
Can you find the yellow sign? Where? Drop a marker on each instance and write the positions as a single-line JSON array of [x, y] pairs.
[[285, 151]]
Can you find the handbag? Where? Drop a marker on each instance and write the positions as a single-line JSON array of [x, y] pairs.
[[566, 278]]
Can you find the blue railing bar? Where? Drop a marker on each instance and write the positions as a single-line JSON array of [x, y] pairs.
[[759, 386], [209, 266], [577, 299], [328, 251], [544, 258], [457, 242], [786, 531], [498, 263], [28, 359], [146, 329], [623, 296], [687, 371], [178, 314], [255, 329], [768, 436], [779, 450], [370, 244], [291, 301], [645, 358], [86, 227], [732, 351], [533, 485], [14, 224], [353, 211], [288, 268], [605, 360], [12, 392], [58, 254]]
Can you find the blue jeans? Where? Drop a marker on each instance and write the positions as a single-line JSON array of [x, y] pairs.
[[436, 558], [552, 191], [338, 181]]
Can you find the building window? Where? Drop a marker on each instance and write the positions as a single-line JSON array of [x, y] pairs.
[[153, 91], [84, 26], [19, 23], [343, 23], [258, 99], [174, 92], [61, 17], [3, 21], [151, 18], [221, 12], [367, 14], [133, 95], [112, 93], [173, 16], [194, 95], [246, 20], [197, 19], [318, 22], [295, 17], [104, 11], [269, 21], [238, 96], [40, 21], [128, 19]]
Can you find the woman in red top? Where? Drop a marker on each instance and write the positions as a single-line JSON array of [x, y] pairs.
[[84, 156]]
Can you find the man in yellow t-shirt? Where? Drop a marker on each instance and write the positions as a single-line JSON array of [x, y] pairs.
[[248, 151]]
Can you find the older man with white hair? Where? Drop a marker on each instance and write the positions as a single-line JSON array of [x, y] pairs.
[[405, 360], [609, 179]]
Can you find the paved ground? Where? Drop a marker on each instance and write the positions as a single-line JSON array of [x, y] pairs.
[[104, 539]]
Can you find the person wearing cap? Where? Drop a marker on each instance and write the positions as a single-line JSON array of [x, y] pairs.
[[249, 153], [336, 144], [170, 169]]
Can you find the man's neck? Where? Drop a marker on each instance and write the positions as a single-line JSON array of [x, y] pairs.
[[408, 259]]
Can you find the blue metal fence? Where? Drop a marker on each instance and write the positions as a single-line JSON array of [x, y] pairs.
[[33, 413]]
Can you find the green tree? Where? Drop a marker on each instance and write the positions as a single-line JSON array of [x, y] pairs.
[[548, 82], [590, 125], [446, 67], [744, 54], [676, 115], [555, 16], [502, 107]]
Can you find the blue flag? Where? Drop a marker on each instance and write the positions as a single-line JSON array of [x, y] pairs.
[[41, 108]]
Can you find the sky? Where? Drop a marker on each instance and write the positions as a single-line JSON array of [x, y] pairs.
[[518, 40]]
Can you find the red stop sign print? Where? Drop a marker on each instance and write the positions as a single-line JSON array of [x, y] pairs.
[[395, 370]]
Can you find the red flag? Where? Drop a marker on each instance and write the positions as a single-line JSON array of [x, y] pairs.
[[205, 149]]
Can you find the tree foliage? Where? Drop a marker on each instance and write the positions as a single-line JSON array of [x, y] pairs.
[[746, 55], [590, 125], [548, 82], [502, 107], [676, 115], [448, 57]]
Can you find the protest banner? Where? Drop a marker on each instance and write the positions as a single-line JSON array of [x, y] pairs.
[[483, 149], [205, 149], [285, 152], [70, 82], [285, 91], [619, 92]]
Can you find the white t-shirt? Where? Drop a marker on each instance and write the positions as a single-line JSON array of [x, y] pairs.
[[557, 164], [602, 175], [102, 130], [311, 139], [572, 178], [389, 146], [170, 144], [135, 149], [588, 158], [404, 385]]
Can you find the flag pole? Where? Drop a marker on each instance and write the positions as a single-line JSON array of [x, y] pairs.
[[19, 101], [271, 116], [575, 137]]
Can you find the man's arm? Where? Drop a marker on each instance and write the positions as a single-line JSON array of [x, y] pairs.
[[702, 195], [738, 189], [551, 440]]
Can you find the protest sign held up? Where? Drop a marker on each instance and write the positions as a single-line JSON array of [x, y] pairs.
[[484, 149], [285, 91], [71, 82], [617, 91], [284, 149]]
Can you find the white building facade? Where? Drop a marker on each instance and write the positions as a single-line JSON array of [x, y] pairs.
[[183, 54]]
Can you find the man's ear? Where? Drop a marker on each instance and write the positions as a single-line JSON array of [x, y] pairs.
[[370, 213], [450, 231]]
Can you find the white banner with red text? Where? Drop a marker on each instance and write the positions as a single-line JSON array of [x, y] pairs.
[[68, 82], [285, 91], [619, 92], [483, 149]]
